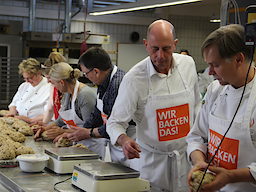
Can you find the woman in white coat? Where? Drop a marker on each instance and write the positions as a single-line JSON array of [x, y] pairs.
[[31, 98], [235, 161]]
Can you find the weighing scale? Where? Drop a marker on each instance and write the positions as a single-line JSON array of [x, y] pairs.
[[100, 176], [63, 159]]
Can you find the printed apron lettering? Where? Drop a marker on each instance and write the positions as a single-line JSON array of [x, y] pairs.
[[173, 122], [227, 155]]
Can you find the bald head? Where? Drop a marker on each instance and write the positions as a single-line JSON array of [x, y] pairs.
[[161, 25], [160, 44]]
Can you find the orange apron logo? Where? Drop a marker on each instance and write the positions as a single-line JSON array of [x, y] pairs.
[[227, 155], [173, 122], [69, 122]]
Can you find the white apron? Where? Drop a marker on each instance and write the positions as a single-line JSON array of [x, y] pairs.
[[167, 121], [115, 153], [71, 119], [237, 150]]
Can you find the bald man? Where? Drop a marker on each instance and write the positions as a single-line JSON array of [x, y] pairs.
[[161, 95]]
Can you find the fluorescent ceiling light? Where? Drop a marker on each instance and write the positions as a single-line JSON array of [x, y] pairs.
[[142, 7], [215, 20]]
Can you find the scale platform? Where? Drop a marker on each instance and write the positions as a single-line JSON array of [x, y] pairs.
[[63, 159], [100, 176]]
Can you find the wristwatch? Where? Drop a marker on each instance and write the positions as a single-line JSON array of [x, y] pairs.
[[92, 135]]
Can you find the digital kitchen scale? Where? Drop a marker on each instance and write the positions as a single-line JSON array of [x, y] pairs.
[[63, 159], [100, 176]]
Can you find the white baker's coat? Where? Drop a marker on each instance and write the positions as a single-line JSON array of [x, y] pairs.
[[197, 139], [31, 101]]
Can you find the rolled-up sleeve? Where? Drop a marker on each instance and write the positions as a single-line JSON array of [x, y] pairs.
[[123, 110], [252, 168], [197, 138]]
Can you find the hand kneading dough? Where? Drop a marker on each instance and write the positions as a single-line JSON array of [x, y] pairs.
[[63, 142], [197, 177]]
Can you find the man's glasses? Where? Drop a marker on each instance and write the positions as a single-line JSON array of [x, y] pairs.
[[86, 73]]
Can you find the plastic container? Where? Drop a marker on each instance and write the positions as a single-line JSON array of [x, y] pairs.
[[32, 162]]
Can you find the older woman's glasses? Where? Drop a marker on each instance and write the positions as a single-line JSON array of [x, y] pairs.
[[86, 73]]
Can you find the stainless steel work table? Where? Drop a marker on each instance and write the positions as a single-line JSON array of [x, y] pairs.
[[13, 179]]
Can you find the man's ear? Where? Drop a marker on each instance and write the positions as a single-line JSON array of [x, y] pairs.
[[176, 41], [240, 59], [145, 42], [175, 44], [97, 71]]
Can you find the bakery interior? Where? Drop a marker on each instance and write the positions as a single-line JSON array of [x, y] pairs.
[[35, 28]]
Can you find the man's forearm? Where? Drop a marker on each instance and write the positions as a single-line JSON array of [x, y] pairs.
[[197, 156], [240, 175]]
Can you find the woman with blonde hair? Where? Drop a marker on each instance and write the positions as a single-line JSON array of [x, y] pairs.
[[54, 104], [29, 101], [78, 99]]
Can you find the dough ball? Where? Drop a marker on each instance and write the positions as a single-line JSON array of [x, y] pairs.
[[15, 136], [80, 146], [24, 150], [4, 112], [63, 142], [197, 177], [45, 137], [7, 152], [26, 130]]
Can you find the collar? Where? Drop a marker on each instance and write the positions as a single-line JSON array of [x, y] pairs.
[[152, 70]]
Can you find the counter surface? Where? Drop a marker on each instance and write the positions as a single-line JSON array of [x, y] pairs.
[[13, 179]]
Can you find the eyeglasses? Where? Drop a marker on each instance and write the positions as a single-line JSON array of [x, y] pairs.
[[86, 73]]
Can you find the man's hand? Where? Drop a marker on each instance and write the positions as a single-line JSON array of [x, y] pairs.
[[78, 134], [54, 132], [38, 133], [63, 135], [130, 148], [222, 178], [199, 162]]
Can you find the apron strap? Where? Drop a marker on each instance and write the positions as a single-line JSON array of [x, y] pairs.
[[177, 175], [74, 94], [176, 162]]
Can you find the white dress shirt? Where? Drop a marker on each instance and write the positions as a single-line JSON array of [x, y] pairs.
[[31, 101], [134, 90]]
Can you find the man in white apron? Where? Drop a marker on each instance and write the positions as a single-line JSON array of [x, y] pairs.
[[235, 162], [97, 67], [161, 95]]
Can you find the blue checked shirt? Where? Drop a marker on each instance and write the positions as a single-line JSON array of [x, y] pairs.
[[107, 92]]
